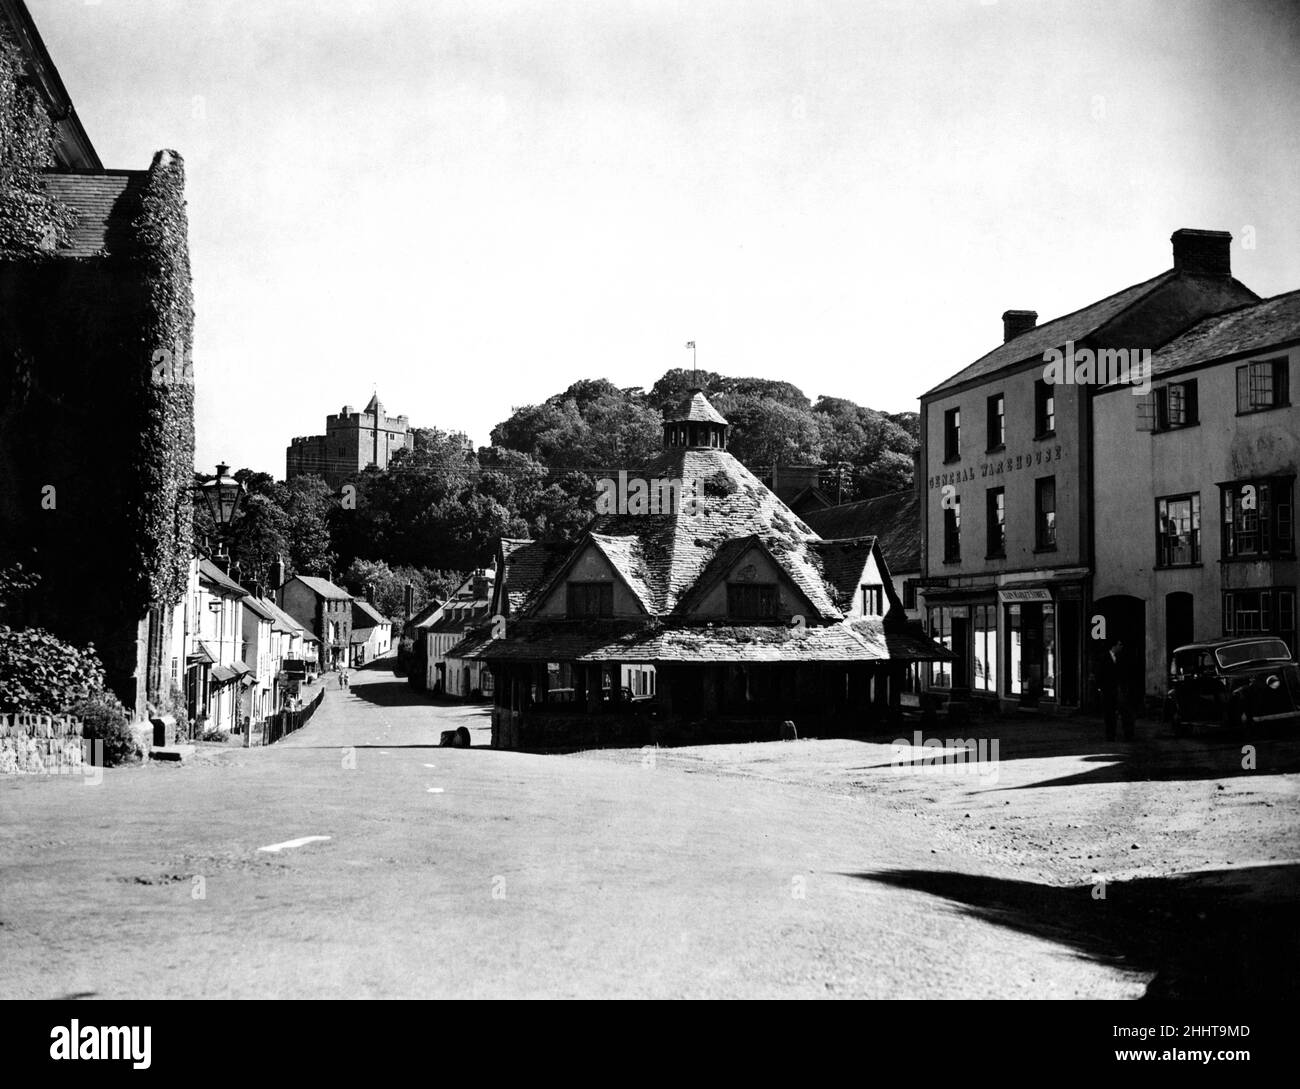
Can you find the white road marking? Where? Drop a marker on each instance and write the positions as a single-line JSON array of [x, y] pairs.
[[430, 765], [435, 790], [293, 843]]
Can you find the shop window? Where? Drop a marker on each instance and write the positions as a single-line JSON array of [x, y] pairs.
[[1178, 530], [985, 648], [940, 630]]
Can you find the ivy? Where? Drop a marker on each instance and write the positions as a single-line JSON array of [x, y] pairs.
[[164, 456], [32, 223]]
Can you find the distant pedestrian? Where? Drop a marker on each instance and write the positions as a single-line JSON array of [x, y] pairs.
[[1113, 682], [340, 678], [347, 679]]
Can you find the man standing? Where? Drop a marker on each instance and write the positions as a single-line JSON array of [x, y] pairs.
[[1113, 681]]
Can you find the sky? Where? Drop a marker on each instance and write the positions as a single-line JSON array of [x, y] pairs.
[[469, 206]]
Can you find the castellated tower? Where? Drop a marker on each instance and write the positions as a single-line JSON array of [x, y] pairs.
[[353, 441]]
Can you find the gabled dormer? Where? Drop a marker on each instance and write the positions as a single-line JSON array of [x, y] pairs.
[[746, 583], [602, 579]]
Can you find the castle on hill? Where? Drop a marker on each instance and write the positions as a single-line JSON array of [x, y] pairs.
[[353, 441]]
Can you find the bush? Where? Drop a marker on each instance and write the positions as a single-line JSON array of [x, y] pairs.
[[41, 675], [103, 718]]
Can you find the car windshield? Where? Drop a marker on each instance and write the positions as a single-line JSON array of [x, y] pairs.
[[1263, 650]]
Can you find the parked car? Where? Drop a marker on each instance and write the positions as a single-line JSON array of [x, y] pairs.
[[1233, 682]]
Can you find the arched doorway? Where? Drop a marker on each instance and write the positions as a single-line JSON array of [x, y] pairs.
[[1124, 617]]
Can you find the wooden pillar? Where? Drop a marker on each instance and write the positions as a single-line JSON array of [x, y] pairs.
[[579, 672], [615, 686], [710, 679], [858, 688], [664, 677], [541, 679], [595, 672]]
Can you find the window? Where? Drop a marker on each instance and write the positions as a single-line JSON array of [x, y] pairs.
[[940, 630], [873, 601], [752, 600], [952, 531], [1263, 385], [1257, 518], [1261, 612], [1045, 512], [1174, 406], [997, 421], [952, 434], [591, 599], [985, 629], [1044, 409], [909, 593], [1178, 530], [995, 500]]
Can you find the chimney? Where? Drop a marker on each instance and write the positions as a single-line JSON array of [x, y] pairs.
[[1015, 322], [1202, 253], [276, 574], [370, 593], [408, 600]]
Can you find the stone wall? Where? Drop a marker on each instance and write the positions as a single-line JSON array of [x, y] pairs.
[[40, 745]]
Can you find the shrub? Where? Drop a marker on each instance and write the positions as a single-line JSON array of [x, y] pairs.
[[103, 718], [42, 675]]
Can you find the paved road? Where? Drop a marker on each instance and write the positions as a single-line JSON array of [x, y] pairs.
[[483, 873]]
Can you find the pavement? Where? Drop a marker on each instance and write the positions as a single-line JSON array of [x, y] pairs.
[[397, 868]]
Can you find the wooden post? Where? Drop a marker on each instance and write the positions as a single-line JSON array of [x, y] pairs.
[[595, 673], [710, 680]]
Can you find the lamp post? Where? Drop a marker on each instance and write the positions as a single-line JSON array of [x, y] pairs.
[[222, 494]]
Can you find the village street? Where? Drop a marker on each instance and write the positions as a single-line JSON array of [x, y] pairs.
[[808, 868]]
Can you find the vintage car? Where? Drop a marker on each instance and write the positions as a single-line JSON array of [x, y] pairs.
[[1233, 682]]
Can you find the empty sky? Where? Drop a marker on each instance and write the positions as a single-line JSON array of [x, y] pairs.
[[469, 206]]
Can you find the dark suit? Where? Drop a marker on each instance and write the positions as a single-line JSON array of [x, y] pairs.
[[1113, 681]]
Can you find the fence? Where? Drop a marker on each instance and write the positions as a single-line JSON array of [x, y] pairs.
[[283, 723]]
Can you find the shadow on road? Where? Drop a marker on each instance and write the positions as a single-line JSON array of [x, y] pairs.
[[1223, 934]]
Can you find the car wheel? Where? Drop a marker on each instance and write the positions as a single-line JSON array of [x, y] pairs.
[[1182, 728]]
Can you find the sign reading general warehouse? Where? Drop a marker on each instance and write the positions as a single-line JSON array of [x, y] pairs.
[[998, 468]]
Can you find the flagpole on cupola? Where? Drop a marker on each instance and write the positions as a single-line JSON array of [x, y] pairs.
[[695, 372]]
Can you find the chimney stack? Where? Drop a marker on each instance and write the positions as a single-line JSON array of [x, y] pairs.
[[1015, 322], [1202, 253], [276, 574], [408, 600]]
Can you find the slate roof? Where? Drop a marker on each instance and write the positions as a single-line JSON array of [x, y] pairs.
[[211, 574], [894, 519], [1052, 334], [1250, 328], [636, 641], [842, 564], [258, 607], [105, 201], [369, 617], [527, 567], [282, 621], [323, 588], [694, 409]]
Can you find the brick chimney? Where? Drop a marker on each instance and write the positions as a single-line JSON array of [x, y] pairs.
[[370, 593], [276, 574], [1015, 322], [1202, 253], [408, 600]]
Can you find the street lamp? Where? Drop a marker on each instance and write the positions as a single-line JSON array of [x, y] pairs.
[[222, 494]]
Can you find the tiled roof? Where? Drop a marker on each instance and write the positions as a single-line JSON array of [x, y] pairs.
[[360, 636], [367, 613], [211, 574], [422, 616], [842, 564], [105, 201], [694, 409], [323, 588], [626, 555], [283, 621], [1250, 328], [635, 641], [528, 566], [895, 519], [1052, 334]]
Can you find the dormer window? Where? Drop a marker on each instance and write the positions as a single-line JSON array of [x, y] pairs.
[[873, 601], [752, 600], [590, 599]]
